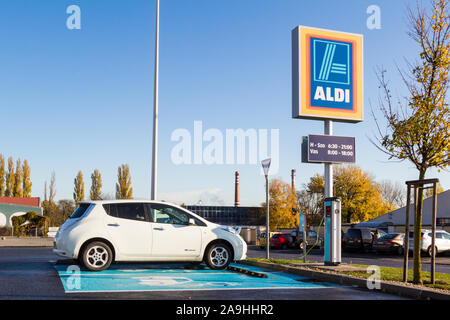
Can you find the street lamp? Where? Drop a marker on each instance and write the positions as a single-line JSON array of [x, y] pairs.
[[266, 165], [155, 112]]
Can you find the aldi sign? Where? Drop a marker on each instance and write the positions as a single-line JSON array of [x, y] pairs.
[[327, 75]]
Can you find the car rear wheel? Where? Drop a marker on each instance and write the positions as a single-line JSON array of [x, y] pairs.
[[301, 246], [218, 256], [96, 256]]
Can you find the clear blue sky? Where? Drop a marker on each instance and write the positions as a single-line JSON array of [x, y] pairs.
[[82, 99]]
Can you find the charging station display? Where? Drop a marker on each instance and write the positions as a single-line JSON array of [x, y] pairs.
[[332, 232]]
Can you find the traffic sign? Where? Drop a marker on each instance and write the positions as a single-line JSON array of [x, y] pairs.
[[327, 75], [328, 149]]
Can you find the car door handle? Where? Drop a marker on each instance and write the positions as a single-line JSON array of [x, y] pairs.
[[113, 224], [160, 229]]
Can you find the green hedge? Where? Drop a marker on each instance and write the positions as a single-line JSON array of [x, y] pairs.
[[36, 221], [5, 231]]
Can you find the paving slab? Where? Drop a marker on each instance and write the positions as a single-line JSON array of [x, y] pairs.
[[340, 268]]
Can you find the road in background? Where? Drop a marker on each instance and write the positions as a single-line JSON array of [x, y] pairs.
[[394, 261]]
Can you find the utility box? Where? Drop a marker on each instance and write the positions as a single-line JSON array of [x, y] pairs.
[[332, 232]]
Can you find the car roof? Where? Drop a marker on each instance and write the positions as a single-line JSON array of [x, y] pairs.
[[124, 201], [101, 202]]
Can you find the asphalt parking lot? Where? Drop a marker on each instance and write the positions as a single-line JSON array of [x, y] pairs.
[[31, 273]]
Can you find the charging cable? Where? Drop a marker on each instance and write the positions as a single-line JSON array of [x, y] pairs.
[[317, 239]]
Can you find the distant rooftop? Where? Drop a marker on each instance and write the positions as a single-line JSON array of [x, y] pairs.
[[30, 202]]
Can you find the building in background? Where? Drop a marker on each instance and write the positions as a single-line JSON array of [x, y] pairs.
[[12, 207], [247, 218], [228, 215], [395, 220]]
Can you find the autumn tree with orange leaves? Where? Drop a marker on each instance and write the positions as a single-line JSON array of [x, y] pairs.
[[418, 129]]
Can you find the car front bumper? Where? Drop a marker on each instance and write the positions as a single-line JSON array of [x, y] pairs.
[[240, 252]]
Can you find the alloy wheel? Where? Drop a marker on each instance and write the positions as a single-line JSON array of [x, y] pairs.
[[219, 256], [97, 257]]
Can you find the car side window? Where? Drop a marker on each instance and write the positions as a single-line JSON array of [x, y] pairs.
[[167, 214], [130, 211], [446, 236], [439, 235]]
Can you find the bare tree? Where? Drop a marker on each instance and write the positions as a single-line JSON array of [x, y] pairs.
[[394, 193]]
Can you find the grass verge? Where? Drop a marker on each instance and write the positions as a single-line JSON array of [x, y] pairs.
[[442, 280]]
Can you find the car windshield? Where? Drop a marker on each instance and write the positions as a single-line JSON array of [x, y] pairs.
[[275, 236], [353, 233], [411, 234], [388, 236], [78, 213]]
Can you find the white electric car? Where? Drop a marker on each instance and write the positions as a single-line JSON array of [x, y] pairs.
[[101, 232], [442, 243]]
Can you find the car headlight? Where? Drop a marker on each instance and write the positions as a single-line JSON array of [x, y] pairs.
[[232, 230]]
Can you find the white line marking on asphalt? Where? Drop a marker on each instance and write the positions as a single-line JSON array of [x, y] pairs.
[[213, 289]]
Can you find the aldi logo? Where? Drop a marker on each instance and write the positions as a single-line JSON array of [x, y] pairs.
[[331, 61], [331, 64], [327, 75]]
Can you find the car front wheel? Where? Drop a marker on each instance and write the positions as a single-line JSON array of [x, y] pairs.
[[218, 256], [96, 256]]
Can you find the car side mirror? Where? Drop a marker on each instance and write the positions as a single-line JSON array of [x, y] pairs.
[[192, 222]]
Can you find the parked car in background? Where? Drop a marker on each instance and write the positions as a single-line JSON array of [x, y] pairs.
[[262, 238], [442, 241], [101, 232], [361, 239], [281, 241], [311, 240], [389, 243]]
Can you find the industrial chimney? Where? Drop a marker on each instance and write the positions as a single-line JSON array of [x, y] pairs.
[[236, 190], [293, 180]]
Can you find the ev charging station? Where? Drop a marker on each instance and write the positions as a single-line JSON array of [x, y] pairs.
[[332, 232]]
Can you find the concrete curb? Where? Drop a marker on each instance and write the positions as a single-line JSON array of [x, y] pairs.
[[386, 287], [26, 242]]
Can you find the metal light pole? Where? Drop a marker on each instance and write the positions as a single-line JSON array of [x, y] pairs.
[[155, 112], [266, 165], [267, 219]]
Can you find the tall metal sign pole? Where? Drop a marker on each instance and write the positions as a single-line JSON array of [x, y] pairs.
[[266, 165], [328, 174], [327, 84], [155, 112]]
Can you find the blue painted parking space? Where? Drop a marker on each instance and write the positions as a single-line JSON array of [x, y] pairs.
[[176, 277]]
